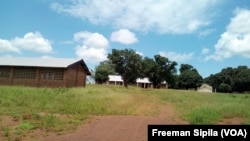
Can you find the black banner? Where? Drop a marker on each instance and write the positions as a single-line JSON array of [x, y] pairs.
[[199, 132]]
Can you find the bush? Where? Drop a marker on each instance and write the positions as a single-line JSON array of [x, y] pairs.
[[225, 88]]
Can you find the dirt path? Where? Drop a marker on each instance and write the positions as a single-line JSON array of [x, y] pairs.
[[113, 128]]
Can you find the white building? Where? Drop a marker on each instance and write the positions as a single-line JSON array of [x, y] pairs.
[[205, 88], [140, 82]]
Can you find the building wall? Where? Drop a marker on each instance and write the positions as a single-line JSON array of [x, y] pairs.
[[75, 76], [24, 82], [205, 88], [5, 74], [43, 77], [114, 83], [144, 85], [50, 77], [164, 86]]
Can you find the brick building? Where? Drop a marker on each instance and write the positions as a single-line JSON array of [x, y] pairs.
[[43, 72]]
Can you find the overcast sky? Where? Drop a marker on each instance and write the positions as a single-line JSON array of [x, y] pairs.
[[207, 34]]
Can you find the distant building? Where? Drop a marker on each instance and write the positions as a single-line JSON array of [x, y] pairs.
[[140, 82], [144, 83], [164, 84], [43, 72], [115, 80], [205, 88]]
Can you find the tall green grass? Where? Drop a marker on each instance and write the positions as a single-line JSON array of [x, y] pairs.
[[63, 109]]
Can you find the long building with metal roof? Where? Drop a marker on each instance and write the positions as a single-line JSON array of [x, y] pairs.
[[43, 72]]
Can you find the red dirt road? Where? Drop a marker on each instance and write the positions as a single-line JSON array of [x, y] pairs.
[[112, 128], [117, 128]]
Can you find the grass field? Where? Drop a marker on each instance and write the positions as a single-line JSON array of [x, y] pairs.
[[63, 109]]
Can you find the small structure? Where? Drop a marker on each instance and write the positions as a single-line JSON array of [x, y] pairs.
[[115, 80], [164, 85], [43, 72], [140, 82], [143, 83], [205, 88]]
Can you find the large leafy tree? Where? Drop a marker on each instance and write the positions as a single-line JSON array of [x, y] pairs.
[[127, 63], [189, 77], [231, 79], [185, 67], [104, 69], [159, 69], [242, 79]]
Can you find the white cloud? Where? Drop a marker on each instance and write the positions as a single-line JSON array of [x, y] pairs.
[[235, 40], [176, 56], [31, 41], [206, 32], [123, 36], [205, 51], [92, 46], [171, 16], [140, 53], [6, 46]]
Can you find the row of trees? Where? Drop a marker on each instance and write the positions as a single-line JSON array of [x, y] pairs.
[[131, 66], [230, 80]]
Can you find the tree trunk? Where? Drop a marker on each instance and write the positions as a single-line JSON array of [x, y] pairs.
[[155, 85], [125, 83]]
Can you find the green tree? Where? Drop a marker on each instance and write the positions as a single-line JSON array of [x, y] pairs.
[[127, 63], [225, 77], [189, 77], [104, 69], [231, 79], [223, 87], [159, 69], [242, 79], [185, 67]]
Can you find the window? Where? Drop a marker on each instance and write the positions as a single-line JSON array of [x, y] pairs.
[[25, 73], [52, 74], [4, 72]]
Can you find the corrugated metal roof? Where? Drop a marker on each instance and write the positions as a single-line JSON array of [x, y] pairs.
[[143, 80], [116, 78], [37, 62]]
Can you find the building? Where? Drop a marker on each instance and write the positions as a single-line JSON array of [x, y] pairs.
[[43, 72], [164, 85], [144, 83], [115, 80], [140, 82], [205, 88]]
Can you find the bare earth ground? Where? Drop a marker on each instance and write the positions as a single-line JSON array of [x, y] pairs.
[[113, 128], [123, 128]]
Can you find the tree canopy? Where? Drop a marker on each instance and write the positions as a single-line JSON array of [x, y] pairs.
[[104, 69], [189, 77], [127, 63], [159, 69], [131, 66], [230, 80]]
